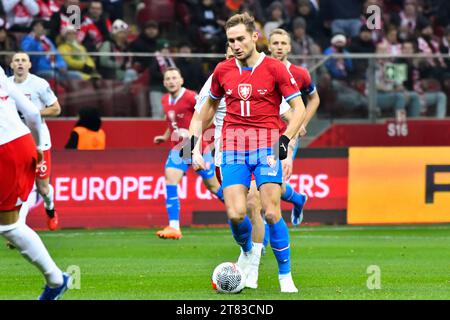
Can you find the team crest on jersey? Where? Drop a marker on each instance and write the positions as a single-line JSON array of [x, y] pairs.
[[245, 91]]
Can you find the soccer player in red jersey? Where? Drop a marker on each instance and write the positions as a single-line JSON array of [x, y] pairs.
[[253, 86], [19, 157], [280, 47], [178, 106]]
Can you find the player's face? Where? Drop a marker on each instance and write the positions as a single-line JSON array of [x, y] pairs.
[[20, 64], [241, 42], [173, 81], [280, 46]]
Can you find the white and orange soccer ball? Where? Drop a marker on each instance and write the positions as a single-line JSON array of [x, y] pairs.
[[228, 278]]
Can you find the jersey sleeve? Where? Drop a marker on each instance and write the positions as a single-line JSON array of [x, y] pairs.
[[216, 92], [203, 95], [286, 82], [29, 111], [46, 93], [308, 86], [284, 106]]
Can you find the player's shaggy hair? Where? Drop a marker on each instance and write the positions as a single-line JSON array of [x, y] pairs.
[[172, 69], [243, 18], [281, 32]]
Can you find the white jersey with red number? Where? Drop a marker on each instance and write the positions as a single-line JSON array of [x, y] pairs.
[[11, 100], [253, 97], [39, 92], [218, 117]]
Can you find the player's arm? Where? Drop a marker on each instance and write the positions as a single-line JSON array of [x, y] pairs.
[[52, 110], [311, 109], [162, 138], [297, 116]]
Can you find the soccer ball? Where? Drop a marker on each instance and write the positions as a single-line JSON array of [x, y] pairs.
[[228, 278]]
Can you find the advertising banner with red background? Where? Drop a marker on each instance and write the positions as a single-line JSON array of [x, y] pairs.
[[125, 188]]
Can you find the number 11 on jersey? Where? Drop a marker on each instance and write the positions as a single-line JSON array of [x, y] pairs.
[[245, 106]]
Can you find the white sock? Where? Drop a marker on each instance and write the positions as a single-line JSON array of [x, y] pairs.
[[23, 213], [258, 248], [31, 247], [175, 224], [48, 198], [285, 276]]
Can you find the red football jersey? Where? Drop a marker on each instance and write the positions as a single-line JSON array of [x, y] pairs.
[[179, 111], [303, 78], [253, 97]]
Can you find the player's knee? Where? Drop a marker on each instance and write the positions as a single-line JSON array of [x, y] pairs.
[[236, 215], [43, 189], [272, 217]]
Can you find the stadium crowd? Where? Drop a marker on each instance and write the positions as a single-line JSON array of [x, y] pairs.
[[196, 26]]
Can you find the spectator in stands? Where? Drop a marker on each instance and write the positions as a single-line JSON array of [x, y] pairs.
[[95, 28], [47, 8], [158, 65], [146, 42], [340, 70], [60, 20], [191, 68], [256, 8], [429, 97], [314, 23], [428, 43], [367, 16], [114, 8], [209, 23], [117, 67], [391, 94], [87, 133], [8, 42], [445, 49], [48, 66], [393, 46], [362, 44], [342, 16], [20, 13], [276, 17], [75, 54], [302, 44], [407, 20]]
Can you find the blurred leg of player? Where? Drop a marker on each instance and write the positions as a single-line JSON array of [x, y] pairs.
[[288, 194], [209, 177], [18, 166], [175, 170], [45, 189], [269, 178], [254, 213]]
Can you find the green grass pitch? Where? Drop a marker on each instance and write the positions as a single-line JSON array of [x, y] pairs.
[[328, 262]]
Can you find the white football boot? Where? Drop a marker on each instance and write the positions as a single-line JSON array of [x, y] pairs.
[[287, 284]]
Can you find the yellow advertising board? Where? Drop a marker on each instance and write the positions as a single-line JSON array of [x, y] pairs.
[[399, 185]]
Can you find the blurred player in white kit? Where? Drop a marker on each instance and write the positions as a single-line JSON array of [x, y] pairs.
[[41, 95], [19, 157]]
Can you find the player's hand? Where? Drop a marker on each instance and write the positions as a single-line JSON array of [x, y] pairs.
[[283, 145], [40, 157], [159, 139], [188, 148], [198, 162], [303, 131], [287, 165]]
